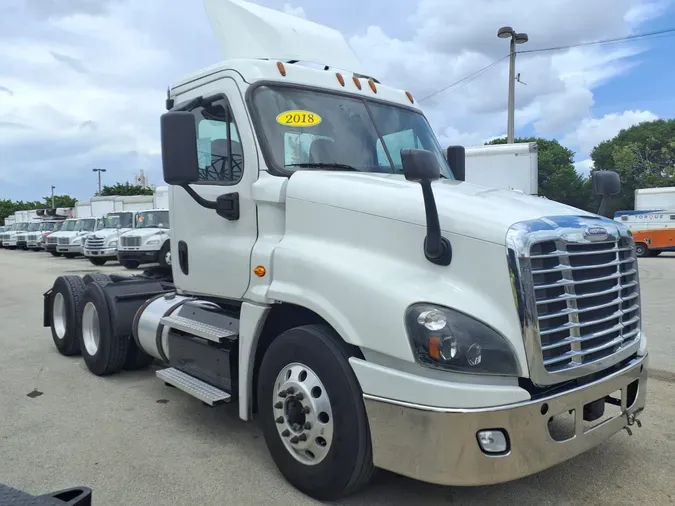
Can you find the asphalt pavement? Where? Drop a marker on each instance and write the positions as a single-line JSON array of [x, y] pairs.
[[136, 442]]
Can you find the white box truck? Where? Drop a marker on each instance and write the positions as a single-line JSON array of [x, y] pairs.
[[368, 306], [655, 199], [149, 242], [501, 166]]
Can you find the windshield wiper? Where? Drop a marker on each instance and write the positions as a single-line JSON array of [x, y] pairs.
[[336, 166]]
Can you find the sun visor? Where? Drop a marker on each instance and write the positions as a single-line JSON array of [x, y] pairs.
[[247, 30]]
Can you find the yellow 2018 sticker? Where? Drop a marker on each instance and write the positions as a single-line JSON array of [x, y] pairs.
[[299, 118]]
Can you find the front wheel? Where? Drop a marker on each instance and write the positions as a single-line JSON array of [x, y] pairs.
[[130, 264], [312, 413], [164, 256], [641, 249], [98, 262], [55, 253]]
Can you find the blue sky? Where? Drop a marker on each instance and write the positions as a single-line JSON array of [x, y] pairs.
[[82, 82]]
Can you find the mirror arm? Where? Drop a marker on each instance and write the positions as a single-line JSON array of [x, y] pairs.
[[208, 204], [437, 248], [604, 207]]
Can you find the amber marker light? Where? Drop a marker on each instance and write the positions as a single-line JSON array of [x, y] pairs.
[[260, 271], [340, 79], [357, 82], [282, 69], [410, 97], [371, 83]]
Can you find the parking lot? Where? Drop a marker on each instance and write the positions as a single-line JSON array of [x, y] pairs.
[[136, 442]]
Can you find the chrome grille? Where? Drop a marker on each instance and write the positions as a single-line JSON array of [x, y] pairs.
[[32, 238], [130, 241], [63, 241], [4, 237], [587, 300], [51, 240], [94, 243], [21, 237]]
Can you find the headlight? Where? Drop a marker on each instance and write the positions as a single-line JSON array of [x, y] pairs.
[[447, 339], [112, 244], [152, 241], [76, 241]]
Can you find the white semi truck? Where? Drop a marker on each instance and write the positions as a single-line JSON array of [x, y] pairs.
[[149, 242], [367, 304], [101, 246], [22, 221]]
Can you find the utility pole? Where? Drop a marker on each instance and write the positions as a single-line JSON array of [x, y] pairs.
[[53, 206], [99, 178], [506, 32]]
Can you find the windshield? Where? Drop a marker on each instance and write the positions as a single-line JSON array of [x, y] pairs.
[[152, 219], [49, 226], [86, 225], [100, 223], [69, 225], [307, 129], [9, 228], [118, 220], [2, 229], [21, 226], [33, 227]]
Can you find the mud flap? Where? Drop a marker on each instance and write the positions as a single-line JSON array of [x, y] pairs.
[[47, 308]]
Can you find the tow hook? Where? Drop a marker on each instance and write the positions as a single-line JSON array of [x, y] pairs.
[[632, 419]]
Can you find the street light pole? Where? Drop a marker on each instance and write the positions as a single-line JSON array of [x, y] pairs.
[[99, 178], [53, 206], [506, 32]]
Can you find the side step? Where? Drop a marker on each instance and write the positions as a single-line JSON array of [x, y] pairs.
[[199, 329], [193, 386]]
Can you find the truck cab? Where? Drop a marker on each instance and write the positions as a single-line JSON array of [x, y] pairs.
[[66, 231], [101, 245], [22, 237], [70, 242], [149, 242], [6, 229], [35, 240], [9, 239], [335, 277]]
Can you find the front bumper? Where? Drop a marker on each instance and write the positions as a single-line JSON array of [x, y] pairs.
[[21, 244], [143, 257], [49, 247], [439, 445], [71, 248], [11, 243], [101, 253]]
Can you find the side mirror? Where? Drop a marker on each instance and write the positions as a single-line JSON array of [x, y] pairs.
[[456, 157], [606, 183], [179, 148], [420, 165]]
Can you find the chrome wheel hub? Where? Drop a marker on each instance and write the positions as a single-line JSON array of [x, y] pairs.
[[59, 315], [303, 413], [90, 328]]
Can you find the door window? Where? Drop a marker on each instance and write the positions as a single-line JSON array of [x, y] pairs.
[[221, 158]]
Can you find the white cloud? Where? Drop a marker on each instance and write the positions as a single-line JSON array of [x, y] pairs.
[[295, 11], [584, 166], [592, 131], [83, 81]]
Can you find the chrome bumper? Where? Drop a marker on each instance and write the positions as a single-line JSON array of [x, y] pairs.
[[77, 248], [439, 445], [103, 253]]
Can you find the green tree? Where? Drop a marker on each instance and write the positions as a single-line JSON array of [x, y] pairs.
[[558, 179], [60, 201], [643, 155], [125, 189]]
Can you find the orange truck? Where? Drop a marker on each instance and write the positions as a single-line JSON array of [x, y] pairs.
[[653, 231]]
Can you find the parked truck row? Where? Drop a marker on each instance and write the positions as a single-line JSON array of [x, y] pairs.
[[133, 230]]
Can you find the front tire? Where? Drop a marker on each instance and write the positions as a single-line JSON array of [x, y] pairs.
[[104, 352], [641, 250], [55, 253], [164, 256], [66, 300], [130, 264], [98, 262], [70, 255], [320, 440]]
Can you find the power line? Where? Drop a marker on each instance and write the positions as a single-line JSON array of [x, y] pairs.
[[627, 38], [479, 72], [470, 77]]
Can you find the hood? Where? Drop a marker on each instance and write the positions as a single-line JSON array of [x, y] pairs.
[[463, 208], [146, 232], [108, 232]]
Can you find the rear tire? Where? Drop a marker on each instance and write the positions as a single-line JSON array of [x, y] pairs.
[[130, 264], [346, 466], [97, 277], [641, 250], [66, 300], [102, 349], [97, 261], [164, 255]]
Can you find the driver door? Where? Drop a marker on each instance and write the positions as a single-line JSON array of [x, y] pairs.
[[210, 254]]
